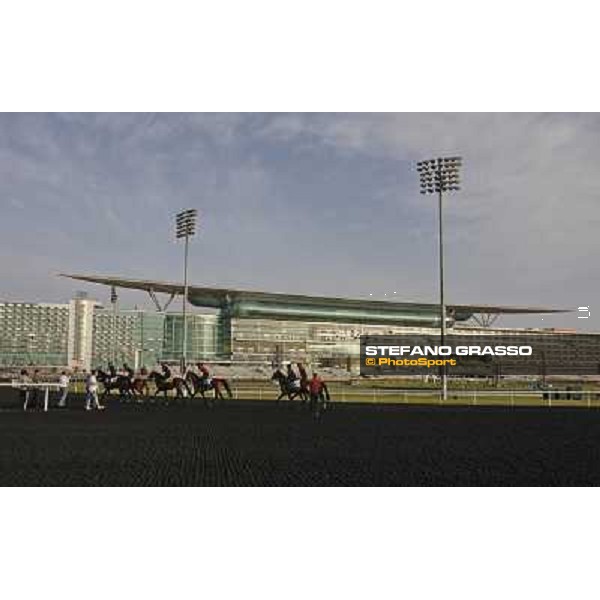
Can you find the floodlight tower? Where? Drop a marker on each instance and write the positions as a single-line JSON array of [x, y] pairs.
[[113, 344], [185, 227], [441, 175]]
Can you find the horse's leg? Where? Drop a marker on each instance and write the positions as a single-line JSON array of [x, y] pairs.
[[205, 397], [227, 388], [187, 389]]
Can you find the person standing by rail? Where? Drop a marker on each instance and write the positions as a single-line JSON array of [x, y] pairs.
[[63, 384], [91, 389], [25, 391]]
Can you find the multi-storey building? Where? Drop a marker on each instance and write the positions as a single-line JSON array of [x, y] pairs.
[[135, 337], [82, 333], [34, 333], [237, 327]]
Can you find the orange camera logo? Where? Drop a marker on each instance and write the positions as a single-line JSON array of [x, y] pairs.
[[369, 362]]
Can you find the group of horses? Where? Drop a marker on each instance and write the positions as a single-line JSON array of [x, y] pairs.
[[137, 388], [189, 386]]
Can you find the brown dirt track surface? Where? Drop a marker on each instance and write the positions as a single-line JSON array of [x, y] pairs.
[[260, 443]]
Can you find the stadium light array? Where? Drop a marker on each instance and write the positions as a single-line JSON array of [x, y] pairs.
[[440, 176], [185, 223]]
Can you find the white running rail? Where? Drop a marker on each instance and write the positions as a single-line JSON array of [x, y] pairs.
[[29, 387]]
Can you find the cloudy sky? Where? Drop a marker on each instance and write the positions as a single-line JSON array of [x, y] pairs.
[[307, 203]]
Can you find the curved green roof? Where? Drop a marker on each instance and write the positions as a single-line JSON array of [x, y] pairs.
[[254, 304]]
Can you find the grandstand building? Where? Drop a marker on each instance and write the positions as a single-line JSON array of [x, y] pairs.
[[230, 327]]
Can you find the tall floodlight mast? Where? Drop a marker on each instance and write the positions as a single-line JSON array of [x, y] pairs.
[[440, 176], [185, 227]]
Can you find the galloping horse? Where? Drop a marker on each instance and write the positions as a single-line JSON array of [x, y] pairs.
[[200, 386], [290, 389], [164, 385], [120, 383]]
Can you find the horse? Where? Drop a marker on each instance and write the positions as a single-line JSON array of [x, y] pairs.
[[200, 385], [303, 379], [164, 385], [140, 387], [291, 389], [120, 383]]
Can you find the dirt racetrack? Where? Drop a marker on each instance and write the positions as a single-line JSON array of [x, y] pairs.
[[260, 443]]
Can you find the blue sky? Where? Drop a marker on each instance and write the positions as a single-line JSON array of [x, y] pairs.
[[306, 203]]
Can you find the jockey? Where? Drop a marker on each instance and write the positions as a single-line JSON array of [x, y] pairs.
[[112, 373], [165, 371], [291, 377], [128, 371], [302, 371], [205, 377]]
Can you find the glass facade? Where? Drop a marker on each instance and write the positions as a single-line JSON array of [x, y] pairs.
[[134, 337], [314, 343], [204, 337], [83, 334]]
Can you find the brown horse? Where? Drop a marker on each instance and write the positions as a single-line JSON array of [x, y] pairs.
[[165, 385], [140, 387], [287, 388], [199, 386]]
